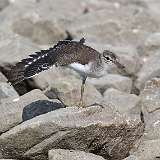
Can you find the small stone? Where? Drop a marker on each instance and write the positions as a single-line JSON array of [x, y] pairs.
[[61, 154], [132, 157], [2, 78]]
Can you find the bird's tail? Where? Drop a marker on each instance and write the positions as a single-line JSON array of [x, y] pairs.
[[31, 66]]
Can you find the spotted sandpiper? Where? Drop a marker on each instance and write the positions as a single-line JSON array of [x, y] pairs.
[[74, 54]]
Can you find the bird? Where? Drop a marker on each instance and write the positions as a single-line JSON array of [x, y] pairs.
[[82, 58]]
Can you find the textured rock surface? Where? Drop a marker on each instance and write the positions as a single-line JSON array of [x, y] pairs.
[[92, 129], [61, 154], [7, 91], [12, 109], [151, 108], [112, 81], [150, 69], [2, 78], [148, 150], [121, 101], [131, 157]]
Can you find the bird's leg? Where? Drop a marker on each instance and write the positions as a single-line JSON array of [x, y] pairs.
[[81, 103]]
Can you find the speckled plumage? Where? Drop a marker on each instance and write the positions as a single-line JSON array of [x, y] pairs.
[[63, 53]]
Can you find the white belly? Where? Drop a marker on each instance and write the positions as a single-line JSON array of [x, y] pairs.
[[85, 69]]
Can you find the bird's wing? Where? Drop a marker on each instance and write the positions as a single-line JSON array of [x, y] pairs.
[[62, 54]]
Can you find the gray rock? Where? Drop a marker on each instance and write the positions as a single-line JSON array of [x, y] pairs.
[[148, 150], [2, 78], [150, 103], [41, 32], [61, 154], [12, 109], [121, 101], [13, 48], [125, 25], [94, 129], [151, 44], [7, 91], [116, 81], [132, 157], [150, 69], [3, 4]]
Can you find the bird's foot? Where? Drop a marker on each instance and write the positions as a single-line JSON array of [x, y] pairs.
[[81, 104]]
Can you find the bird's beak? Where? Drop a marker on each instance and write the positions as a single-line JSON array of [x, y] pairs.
[[119, 65]]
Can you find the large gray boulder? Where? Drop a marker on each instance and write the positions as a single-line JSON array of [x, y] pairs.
[[94, 129], [61, 154]]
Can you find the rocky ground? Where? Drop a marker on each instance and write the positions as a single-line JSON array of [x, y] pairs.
[[35, 125]]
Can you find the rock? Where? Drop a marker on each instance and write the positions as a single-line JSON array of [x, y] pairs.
[[12, 109], [150, 69], [14, 48], [115, 26], [94, 129], [7, 91], [122, 102], [39, 107], [61, 154], [2, 78], [66, 86], [151, 44], [148, 150], [132, 157], [150, 103], [3, 4], [42, 32], [116, 81]]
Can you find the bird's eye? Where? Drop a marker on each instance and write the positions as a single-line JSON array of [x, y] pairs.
[[107, 58]]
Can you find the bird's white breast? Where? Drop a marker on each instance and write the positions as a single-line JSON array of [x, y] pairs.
[[86, 69]]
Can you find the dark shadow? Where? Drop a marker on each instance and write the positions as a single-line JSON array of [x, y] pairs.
[[38, 108]]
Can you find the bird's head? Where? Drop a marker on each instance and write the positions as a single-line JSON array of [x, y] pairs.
[[111, 58]]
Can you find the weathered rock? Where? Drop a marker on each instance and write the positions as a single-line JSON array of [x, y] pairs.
[[112, 81], [41, 32], [7, 91], [3, 4], [132, 157], [94, 129], [125, 25], [2, 78], [61, 154], [39, 107], [148, 150], [150, 69], [12, 109], [151, 44], [121, 101], [14, 48], [150, 98]]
